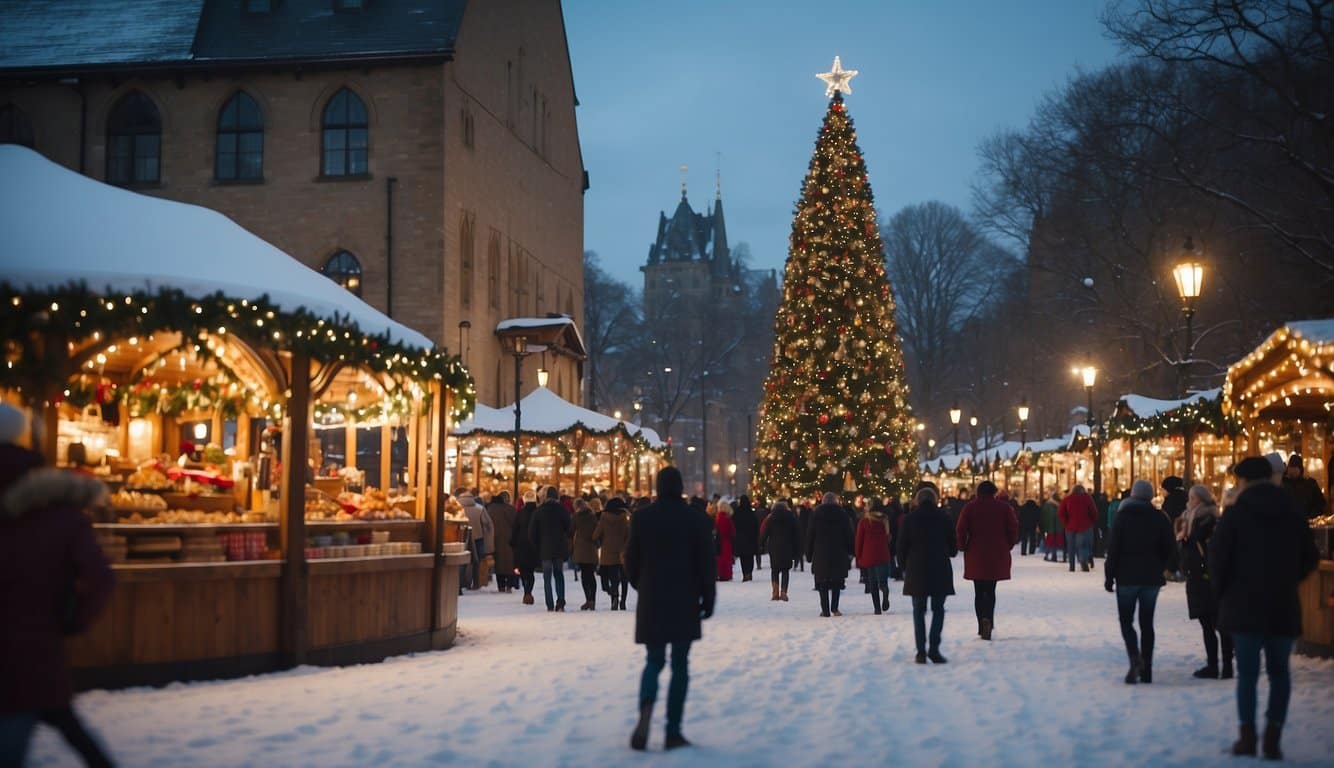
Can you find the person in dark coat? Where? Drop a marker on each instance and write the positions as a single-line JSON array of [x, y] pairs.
[[1030, 519], [586, 552], [746, 546], [1139, 548], [526, 558], [54, 581], [871, 546], [894, 513], [1201, 518], [502, 520], [611, 534], [781, 538], [1260, 551], [803, 513], [987, 530], [550, 532], [670, 562], [1174, 502], [829, 544], [926, 544], [761, 514], [1305, 491]]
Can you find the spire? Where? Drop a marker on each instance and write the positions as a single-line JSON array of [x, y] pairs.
[[722, 257], [718, 175], [684, 168]]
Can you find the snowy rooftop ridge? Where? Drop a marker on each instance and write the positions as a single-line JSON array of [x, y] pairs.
[[1148, 407], [1319, 331], [545, 412], [58, 227]]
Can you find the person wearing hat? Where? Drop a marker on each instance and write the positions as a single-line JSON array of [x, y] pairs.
[[1305, 491], [1261, 550], [1174, 501], [526, 558], [987, 530], [1138, 550]]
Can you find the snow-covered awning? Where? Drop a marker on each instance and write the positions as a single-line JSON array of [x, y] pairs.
[[543, 412], [1147, 407], [555, 332], [59, 227], [1008, 450]]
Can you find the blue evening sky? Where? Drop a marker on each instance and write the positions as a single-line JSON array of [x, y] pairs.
[[662, 84]]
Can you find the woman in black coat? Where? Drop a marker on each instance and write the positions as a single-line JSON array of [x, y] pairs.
[[1139, 548], [829, 545], [926, 543], [781, 536], [1201, 604], [670, 562], [526, 560], [747, 543]]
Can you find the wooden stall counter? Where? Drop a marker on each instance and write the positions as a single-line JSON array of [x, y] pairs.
[[1317, 599]]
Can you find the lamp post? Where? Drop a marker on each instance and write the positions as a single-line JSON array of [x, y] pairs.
[[1090, 375], [955, 415], [972, 446], [518, 348], [731, 476], [1023, 441], [1189, 275]]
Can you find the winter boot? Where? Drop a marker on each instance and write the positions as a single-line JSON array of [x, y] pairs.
[[935, 657], [674, 741], [920, 658], [1273, 733], [560, 606], [776, 596], [986, 629], [783, 595], [639, 736], [528, 599], [1226, 672], [1207, 672], [1132, 676], [884, 599], [1245, 743], [1146, 668], [824, 603]]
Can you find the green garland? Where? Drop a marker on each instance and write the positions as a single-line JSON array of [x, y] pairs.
[[73, 312], [1201, 415]]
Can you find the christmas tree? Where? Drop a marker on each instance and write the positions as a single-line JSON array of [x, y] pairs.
[[835, 413]]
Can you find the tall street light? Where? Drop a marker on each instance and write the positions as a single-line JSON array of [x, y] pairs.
[[518, 348], [1090, 375], [1023, 425], [1189, 276], [955, 415]]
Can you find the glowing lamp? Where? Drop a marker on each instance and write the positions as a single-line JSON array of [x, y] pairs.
[[542, 376]]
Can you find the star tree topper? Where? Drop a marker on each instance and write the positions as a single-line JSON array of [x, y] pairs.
[[838, 79]]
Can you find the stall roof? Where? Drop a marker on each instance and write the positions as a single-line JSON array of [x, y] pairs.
[[1148, 407], [1007, 450], [1289, 376], [58, 227], [546, 413]]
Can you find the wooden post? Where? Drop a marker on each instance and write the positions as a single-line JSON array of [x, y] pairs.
[[295, 601], [435, 526], [386, 455]]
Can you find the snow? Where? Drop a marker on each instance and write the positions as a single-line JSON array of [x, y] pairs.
[[771, 684], [57, 226], [1316, 331], [545, 412], [1148, 407], [532, 322], [1007, 450]]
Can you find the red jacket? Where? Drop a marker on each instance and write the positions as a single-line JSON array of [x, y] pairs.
[[872, 542], [987, 530], [1077, 512], [53, 580], [726, 533]]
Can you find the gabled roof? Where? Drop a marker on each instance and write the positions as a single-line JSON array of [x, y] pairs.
[[72, 35]]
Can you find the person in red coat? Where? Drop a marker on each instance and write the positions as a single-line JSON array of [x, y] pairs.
[[1078, 515], [987, 530], [726, 536], [54, 581], [871, 547]]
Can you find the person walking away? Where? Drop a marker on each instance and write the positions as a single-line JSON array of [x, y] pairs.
[[1139, 549], [894, 513], [586, 552], [1174, 499], [550, 532], [670, 563], [54, 581], [526, 558], [1078, 515], [987, 530], [611, 534], [803, 513], [747, 543], [761, 514], [1260, 551], [482, 530], [926, 544], [1305, 491], [1201, 517], [1030, 518], [726, 538], [871, 546], [829, 545], [1053, 535], [781, 536], [503, 516]]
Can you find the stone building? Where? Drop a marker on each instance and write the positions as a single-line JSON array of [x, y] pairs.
[[424, 153]]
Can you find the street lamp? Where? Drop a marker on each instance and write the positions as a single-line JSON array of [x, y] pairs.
[[1090, 376], [731, 476], [1023, 425], [543, 376], [955, 415], [1189, 276], [518, 348]]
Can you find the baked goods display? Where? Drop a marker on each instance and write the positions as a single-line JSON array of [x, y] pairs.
[[149, 478], [320, 506], [137, 500], [374, 504]]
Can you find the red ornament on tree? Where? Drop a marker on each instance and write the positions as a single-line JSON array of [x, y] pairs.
[[824, 418]]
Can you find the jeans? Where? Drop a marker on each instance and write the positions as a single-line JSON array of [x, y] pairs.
[[984, 601], [1277, 649], [553, 570], [1146, 598], [919, 621], [1079, 546], [676, 690]]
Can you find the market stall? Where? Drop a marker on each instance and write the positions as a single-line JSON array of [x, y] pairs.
[[562, 444], [1283, 395], [185, 362], [1024, 469]]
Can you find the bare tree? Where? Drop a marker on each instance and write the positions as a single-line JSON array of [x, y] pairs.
[[612, 330]]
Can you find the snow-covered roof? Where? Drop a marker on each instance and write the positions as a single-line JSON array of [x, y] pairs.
[[1321, 331], [546, 413], [1148, 407], [532, 322], [1005, 451], [58, 227]]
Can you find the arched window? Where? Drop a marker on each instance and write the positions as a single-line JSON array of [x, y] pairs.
[[240, 154], [134, 141], [344, 269], [15, 127], [346, 134]]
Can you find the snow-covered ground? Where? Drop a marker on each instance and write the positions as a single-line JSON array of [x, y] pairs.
[[772, 684]]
